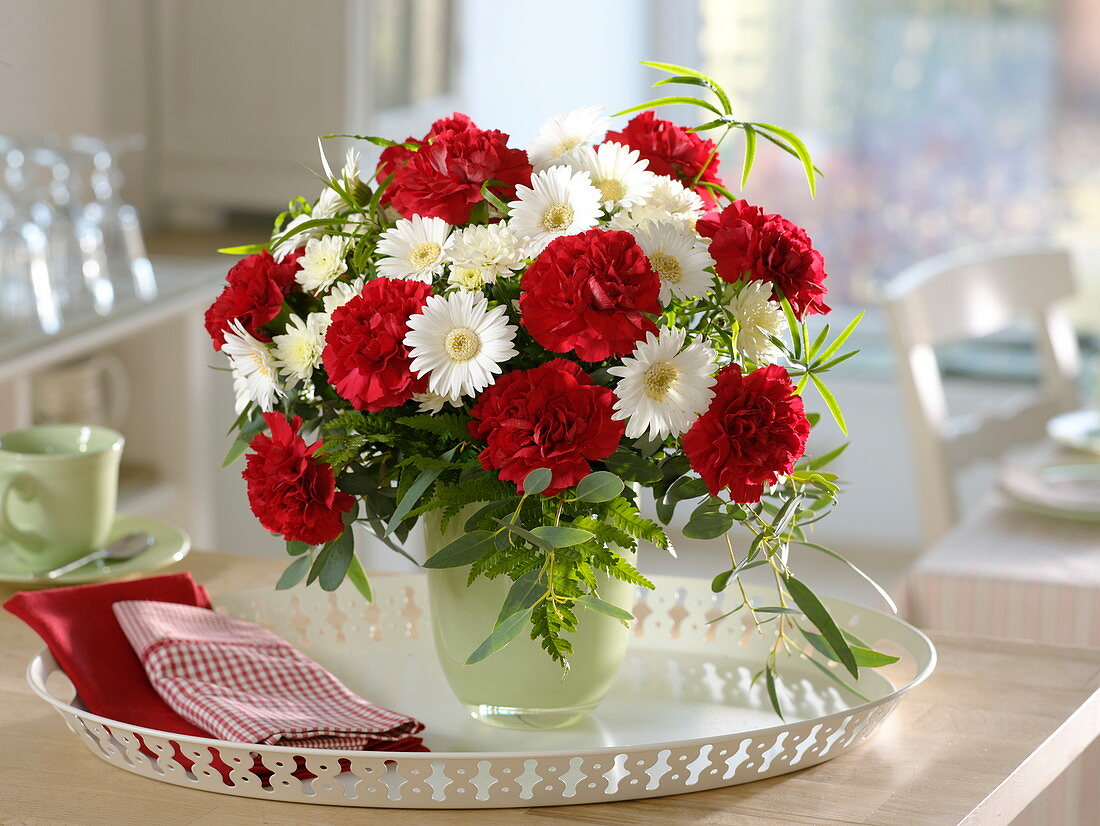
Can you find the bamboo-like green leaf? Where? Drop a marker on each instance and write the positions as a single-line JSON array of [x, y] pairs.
[[792, 325], [715, 187], [293, 573], [504, 633], [690, 80], [865, 657], [671, 101], [773, 139], [537, 481], [858, 571], [594, 603], [825, 458], [843, 337], [830, 402], [359, 579], [769, 680], [821, 336], [243, 249], [562, 536], [750, 153], [800, 150], [817, 614], [492, 198], [832, 675], [465, 550], [676, 69], [600, 486], [238, 447], [829, 365]]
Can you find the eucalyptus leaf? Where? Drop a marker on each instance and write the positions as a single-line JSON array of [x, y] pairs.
[[594, 603], [707, 525], [537, 481], [293, 573], [562, 536], [465, 550], [359, 579], [817, 614], [238, 447], [524, 593], [294, 548], [600, 486], [341, 551], [534, 539], [769, 680], [504, 633], [489, 509]]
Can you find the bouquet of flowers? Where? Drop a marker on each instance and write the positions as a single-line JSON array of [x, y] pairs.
[[527, 341]]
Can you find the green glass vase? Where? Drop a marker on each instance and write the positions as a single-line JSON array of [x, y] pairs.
[[519, 687]]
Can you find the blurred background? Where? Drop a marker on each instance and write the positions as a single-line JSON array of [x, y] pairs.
[[938, 124]]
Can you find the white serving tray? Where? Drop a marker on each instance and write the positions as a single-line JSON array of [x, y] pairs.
[[682, 716]]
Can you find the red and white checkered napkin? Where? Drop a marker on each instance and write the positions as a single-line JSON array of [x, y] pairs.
[[243, 683]]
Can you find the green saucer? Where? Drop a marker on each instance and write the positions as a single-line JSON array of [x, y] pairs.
[[170, 545]]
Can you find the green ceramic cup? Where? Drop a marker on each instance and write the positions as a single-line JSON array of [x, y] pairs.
[[58, 489]]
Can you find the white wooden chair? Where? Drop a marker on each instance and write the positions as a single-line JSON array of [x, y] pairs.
[[966, 295]]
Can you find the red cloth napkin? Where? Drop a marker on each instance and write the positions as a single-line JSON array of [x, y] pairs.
[[79, 627], [248, 685]]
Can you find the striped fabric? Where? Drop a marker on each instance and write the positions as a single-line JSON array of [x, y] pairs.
[[1005, 572], [244, 684]]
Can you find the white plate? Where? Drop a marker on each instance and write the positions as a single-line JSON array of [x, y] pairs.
[[1079, 430], [170, 544], [1070, 491], [682, 716]]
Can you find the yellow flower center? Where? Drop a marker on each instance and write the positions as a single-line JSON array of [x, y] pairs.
[[261, 364], [424, 255], [566, 145], [659, 379], [611, 190], [667, 266], [557, 218], [461, 344], [468, 278]]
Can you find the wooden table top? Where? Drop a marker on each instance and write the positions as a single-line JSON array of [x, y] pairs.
[[994, 724]]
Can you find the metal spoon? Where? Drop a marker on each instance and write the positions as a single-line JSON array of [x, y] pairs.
[[123, 548]]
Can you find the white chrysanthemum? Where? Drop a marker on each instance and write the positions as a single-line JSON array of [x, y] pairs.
[[758, 317], [459, 343], [482, 253], [415, 248], [293, 239], [669, 201], [617, 171], [350, 174], [561, 136], [341, 293], [678, 257], [663, 386], [253, 368], [324, 261], [558, 202], [298, 351], [329, 204], [433, 403]]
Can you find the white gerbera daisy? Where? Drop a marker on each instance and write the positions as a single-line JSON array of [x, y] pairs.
[[415, 248], [669, 201], [678, 257], [433, 403], [758, 317], [459, 343], [482, 253], [562, 135], [618, 172], [292, 236], [329, 204], [663, 386], [558, 202], [324, 261], [298, 351], [253, 368]]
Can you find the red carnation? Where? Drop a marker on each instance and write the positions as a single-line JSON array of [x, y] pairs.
[[589, 294], [290, 492], [394, 157], [551, 416], [672, 151], [746, 241], [443, 178], [754, 430], [253, 294], [364, 355]]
